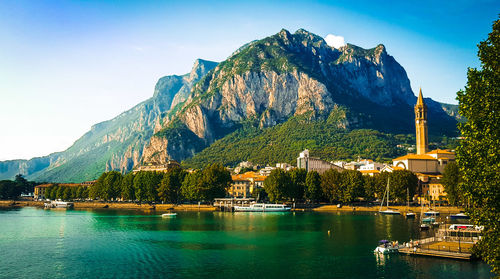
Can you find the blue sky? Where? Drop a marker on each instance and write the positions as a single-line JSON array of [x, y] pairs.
[[66, 65]]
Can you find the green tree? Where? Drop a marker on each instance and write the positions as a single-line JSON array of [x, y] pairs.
[[191, 189], [331, 185], [9, 189], [66, 193], [478, 155], [313, 191], [216, 180], [97, 190], [401, 180], [370, 185], [22, 185], [296, 189], [60, 192], [450, 181], [146, 184], [111, 185], [170, 186], [351, 183], [127, 187], [276, 185], [79, 192]]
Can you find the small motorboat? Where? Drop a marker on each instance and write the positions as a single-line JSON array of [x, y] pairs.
[[386, 247], [425, 227], [431, 213], [429, 220], [169, 215], [389, 212], [459, 216], [410, 215]]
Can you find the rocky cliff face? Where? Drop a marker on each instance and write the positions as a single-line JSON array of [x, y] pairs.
[[116, 144], [270, 80], [262, 84]]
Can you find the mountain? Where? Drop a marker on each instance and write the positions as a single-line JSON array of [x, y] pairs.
[[116, 144], [271, 98], [268, 81]]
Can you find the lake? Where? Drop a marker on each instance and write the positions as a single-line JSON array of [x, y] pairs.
[[37, 243]]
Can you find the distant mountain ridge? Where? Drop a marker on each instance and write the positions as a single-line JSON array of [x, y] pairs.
[[116, 144], [262, 84]]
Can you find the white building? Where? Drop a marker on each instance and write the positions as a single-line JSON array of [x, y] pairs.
[[304, 161]]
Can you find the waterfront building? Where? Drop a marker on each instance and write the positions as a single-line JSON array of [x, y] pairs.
[[244, 184], [304, 161], [169, 165]]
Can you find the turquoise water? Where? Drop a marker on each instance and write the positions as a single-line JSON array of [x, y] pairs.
[[37, 243]]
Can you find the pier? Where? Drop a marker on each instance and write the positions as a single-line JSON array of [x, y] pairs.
[[448, 243]]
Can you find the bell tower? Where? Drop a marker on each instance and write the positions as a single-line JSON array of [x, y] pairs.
[[421, 125]]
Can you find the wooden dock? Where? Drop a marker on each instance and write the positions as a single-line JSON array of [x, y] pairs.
[[436, 253], [435, 247]]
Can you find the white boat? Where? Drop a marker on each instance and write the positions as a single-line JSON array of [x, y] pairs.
[[169, 215], [410, 215], [459, 216], [431, 213], [424, 227], [387, 211], [386, 247], [263, 207], [59, 204]]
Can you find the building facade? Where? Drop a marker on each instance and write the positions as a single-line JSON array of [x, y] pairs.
[[304, 161], [244, 185]]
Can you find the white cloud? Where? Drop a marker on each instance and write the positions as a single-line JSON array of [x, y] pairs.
[[335, 41]]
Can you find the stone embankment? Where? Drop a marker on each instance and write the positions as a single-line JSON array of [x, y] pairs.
[[114, 205], [204, 207]]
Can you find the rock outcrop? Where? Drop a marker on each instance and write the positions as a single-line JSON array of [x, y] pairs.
[[273, 79]]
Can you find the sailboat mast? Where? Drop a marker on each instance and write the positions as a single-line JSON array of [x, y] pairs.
[[388, 179]]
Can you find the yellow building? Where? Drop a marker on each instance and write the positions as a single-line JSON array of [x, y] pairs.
[[421, 125], [244, 184]]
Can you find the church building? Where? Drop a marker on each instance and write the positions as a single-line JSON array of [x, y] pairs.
[[427, 165]]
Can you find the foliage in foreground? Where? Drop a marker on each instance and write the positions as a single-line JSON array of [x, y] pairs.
[[478, 154]]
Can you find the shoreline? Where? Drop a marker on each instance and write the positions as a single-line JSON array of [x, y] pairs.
[[194, 207]]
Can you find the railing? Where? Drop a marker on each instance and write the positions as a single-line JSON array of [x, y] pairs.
[[441, 248]]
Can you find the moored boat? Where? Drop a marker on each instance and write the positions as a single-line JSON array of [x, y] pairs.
[[410, 215], [387, 211], [428, 220], [263, 207], [459, 216], [387, 247], [59, 204], [431, 213], [424, 227], [169, 215]]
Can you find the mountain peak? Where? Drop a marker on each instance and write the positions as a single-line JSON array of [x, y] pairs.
[[200, 68]]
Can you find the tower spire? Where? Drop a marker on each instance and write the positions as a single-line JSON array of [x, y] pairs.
[[420, 100], [421, 125]]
